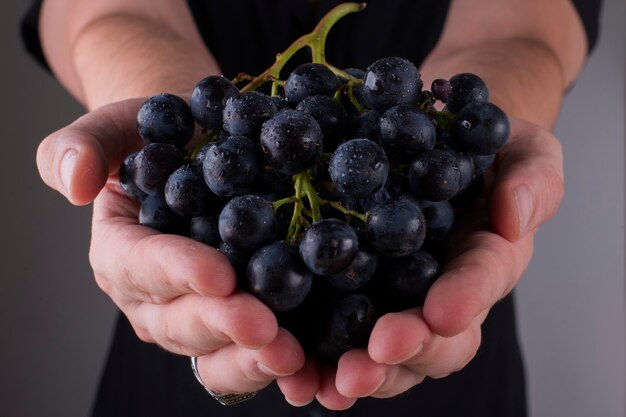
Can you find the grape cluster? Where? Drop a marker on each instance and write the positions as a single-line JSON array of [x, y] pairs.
[[329, 197]]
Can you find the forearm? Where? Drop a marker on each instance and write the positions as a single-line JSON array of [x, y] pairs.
[[106, 52], [121, 57]]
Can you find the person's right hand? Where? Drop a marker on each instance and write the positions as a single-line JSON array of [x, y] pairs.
[[176, 292]]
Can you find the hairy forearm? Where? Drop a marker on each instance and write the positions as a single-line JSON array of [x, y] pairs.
[[120, 56], [524, 77]]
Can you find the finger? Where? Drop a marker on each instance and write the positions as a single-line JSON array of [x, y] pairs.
[[397, 337], [193, 325], [300, 388], [328, 396], [442, 356], [147, 265], [358, 375], [529, 181], [77, 159], [475, 280], [234, 369]]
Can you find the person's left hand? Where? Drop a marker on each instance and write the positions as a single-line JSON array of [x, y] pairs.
[[489, 259]]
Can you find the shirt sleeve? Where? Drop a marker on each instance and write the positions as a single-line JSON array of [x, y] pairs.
[[589, 12]]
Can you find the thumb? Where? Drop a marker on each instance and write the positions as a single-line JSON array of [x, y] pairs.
[[77, 159], [528, 186]]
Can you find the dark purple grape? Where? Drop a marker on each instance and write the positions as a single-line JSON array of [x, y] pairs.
[[436, 176], [330, 115], [359, 167], [391, 81], [346, 325], [277, 276], [406, 128], [482, 162], [366, 203], [186, 192], [357, 273], [279, 103], [232, 167], [247, 222], [204, 229], [439, 218], [238, 260], [165, 118], [292, 141], [309, 80], [153, 166], [208, 100], [408, 280], [441, 89], [398, 187], [155, 213], [468, 196], [467, 89], [366, 126], [396, 227], [426, 100], [126, 179], [244, 114], [329, 246], [481, 128]]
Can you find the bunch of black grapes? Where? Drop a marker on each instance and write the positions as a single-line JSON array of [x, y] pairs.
[[326, 197]]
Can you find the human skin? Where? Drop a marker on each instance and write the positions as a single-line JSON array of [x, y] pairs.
[[108, 53]]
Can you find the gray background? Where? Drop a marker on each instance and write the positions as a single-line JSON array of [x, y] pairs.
[[55, 324]]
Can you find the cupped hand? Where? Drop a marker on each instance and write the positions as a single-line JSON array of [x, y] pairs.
[[176, 292], [489, 258]]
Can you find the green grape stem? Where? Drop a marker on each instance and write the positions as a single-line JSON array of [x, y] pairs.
[[316, 41]]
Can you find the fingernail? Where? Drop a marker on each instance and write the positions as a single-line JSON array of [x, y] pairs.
[[524, 203], [270, 372], [67, 168]]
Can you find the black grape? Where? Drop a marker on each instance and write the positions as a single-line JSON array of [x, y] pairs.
[[391, 81], [467, 89], [436, 176], [165, 118], [247, 222], [330, 115], [409, 278], [186, 192], [481, 128], [244, 114], [366, 126], [329, 246], [357, 273], [347, 324], [277, 276], [441, 89], [359, 167], [204, 229], [126, 179], [439, 218], [406, 128], [208, 99], [292, 141], [153, 166], [155, 213], [232, 167], [309, 80], [395, 227]]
